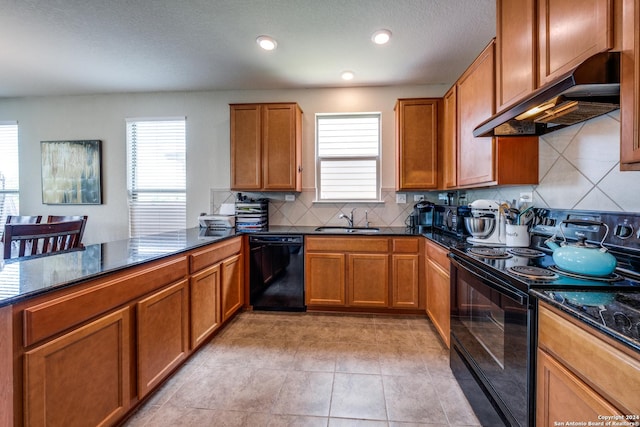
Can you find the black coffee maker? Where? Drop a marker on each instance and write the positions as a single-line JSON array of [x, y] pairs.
[[422, 216]]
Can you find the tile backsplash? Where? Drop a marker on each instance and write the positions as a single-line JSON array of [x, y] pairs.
[[579, 168]]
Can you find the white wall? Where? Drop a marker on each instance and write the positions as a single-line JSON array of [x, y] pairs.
[[103, 117]]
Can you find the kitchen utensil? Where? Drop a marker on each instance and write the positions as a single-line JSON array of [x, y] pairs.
[[582, 257]]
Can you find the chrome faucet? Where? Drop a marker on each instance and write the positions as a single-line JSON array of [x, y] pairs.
[[348, 218]]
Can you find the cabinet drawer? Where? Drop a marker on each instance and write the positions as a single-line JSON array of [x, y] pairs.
[[44, 320], [597, 362], [213, 254], [405, 245], [348, 244], [438, 254]]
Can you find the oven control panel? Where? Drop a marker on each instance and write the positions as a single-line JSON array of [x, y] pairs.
[[623, 227]]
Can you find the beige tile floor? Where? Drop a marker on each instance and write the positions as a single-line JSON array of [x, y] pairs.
[[308, 369]]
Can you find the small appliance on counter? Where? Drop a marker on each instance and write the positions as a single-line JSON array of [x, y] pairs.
[[224, 220], [450, 219], [485, 223], [421, 218]]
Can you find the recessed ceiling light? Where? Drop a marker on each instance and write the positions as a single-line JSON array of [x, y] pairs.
[[347, 75], [266, 42], [381, 36]]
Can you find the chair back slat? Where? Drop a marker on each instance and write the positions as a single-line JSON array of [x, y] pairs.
[[64, 218], [42, 239], [23, 219]]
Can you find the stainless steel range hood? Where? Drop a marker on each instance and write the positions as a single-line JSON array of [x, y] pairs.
[[589, 90]]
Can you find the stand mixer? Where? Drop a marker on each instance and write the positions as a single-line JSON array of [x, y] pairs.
[[486, 224]]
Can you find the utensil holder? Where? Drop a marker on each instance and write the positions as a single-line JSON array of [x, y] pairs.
[[517, 235]]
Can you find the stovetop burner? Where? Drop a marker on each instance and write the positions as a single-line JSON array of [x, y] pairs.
[[613, 277], [526, 252], [532, 272], [492, 253]]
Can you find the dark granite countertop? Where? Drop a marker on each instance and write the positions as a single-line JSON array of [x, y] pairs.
[[614, 313], [25, 278], [28, 277]]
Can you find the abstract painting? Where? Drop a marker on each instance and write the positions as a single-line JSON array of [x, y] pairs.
[[71, 172]]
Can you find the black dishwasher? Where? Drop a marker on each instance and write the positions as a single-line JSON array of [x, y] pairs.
[[277, 272]]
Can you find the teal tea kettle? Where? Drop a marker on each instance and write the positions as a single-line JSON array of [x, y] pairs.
[[582, 257]]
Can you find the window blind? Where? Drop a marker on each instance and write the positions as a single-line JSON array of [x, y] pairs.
[[9, 172], [156, 175], [348, 157]]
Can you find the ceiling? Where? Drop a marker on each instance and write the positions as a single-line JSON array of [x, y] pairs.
[[73, 47]]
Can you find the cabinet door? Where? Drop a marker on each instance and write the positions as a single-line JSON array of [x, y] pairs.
[[281, 143], [438, 299], [163, 334], [246, 154], [476, 92], [560, 395], [449, 139], [417, 143], [630, 87], [368, 280], [204, 297], [81, 378], [405, 280], [232, 286], [568, 34], [515, 51], [325, 279]]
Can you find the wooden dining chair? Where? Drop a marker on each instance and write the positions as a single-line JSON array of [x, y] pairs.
[[23, 219], [65, 218], [22, 240]]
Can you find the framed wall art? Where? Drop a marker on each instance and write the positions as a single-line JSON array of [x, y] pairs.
[[71, 172]]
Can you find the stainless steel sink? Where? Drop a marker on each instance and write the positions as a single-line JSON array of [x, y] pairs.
[[353, 230]]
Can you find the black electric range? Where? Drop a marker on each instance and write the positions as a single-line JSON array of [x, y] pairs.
[[494, 316]]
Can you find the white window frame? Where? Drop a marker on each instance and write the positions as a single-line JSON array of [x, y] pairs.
[[353, 156], [165, 207], [9, 145]]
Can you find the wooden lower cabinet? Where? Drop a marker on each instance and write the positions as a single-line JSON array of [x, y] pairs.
[[204, 298], [361, 272], [562, 396], [438, 299], [368, 280], [82, 377], [325, 279], [162, 334], [232, 286], [580, 372], [438, 289], [405, 280]]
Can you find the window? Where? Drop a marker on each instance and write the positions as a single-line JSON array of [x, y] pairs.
[[9, 168], [156, 175], [348, 157]]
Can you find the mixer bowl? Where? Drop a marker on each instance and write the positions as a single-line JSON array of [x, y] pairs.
[[480, 227]]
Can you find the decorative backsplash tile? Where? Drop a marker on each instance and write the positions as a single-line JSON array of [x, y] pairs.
[[579, 168]]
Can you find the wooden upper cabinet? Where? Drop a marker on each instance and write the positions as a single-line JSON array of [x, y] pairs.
[[476, 96], [570, 32], [266, 147], [417, 143], [630, 87], [515, 50], [449, 144]]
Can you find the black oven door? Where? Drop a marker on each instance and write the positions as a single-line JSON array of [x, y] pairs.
[[491, 345]]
